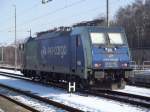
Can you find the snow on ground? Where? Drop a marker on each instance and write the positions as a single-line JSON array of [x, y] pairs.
[[86, 103], [11, 71], [136, 90], [42, 107], [1, 110], [38, 105]]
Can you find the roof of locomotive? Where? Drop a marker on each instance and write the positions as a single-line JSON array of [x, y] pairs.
[[53, 33], [100, 28], [63, 31]]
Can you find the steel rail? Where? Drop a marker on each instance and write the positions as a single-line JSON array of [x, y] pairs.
[[133, 99], [136, 84], [19, 103], [43, 99], [145, 85]]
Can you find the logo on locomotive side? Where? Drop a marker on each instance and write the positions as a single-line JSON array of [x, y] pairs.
[[54, 51]]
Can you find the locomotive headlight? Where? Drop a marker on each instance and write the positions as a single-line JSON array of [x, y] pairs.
[[97, 65], [124, 65]]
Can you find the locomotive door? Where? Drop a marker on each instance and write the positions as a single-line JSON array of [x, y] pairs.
[[76, 53], [73, 54]]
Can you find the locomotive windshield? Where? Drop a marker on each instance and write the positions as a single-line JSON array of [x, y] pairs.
[[116, 38], [98, 38]]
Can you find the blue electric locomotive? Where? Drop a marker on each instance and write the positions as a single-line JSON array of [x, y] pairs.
[[92, 56]]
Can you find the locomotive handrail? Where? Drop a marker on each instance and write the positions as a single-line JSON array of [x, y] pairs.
[[133, 64]]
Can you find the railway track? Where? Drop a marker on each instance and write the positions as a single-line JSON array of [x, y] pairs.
[[9, 68], [133, 99], [19, 103], [44, 100], [145, 85]]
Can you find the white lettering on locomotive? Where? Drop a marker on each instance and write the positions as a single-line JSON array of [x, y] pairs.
[[54, 51]]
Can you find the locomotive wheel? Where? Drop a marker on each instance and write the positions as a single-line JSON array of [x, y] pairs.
[[122, 84]]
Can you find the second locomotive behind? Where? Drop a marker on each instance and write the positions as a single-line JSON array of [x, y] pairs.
[[93, 57]]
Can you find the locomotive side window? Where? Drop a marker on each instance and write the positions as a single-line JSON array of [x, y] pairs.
[[98, 38], [116, 38]]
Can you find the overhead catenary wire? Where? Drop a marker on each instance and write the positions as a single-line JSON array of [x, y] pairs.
[[21, 13], [60, 9], [72, 16], [78, 14], [57, 10], [50, 13], [25, 23]]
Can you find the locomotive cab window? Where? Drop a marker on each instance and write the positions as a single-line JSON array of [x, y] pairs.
[[98, 38], [116, 38]]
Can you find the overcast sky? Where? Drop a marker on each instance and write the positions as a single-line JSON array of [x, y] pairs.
[[32, 14]]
